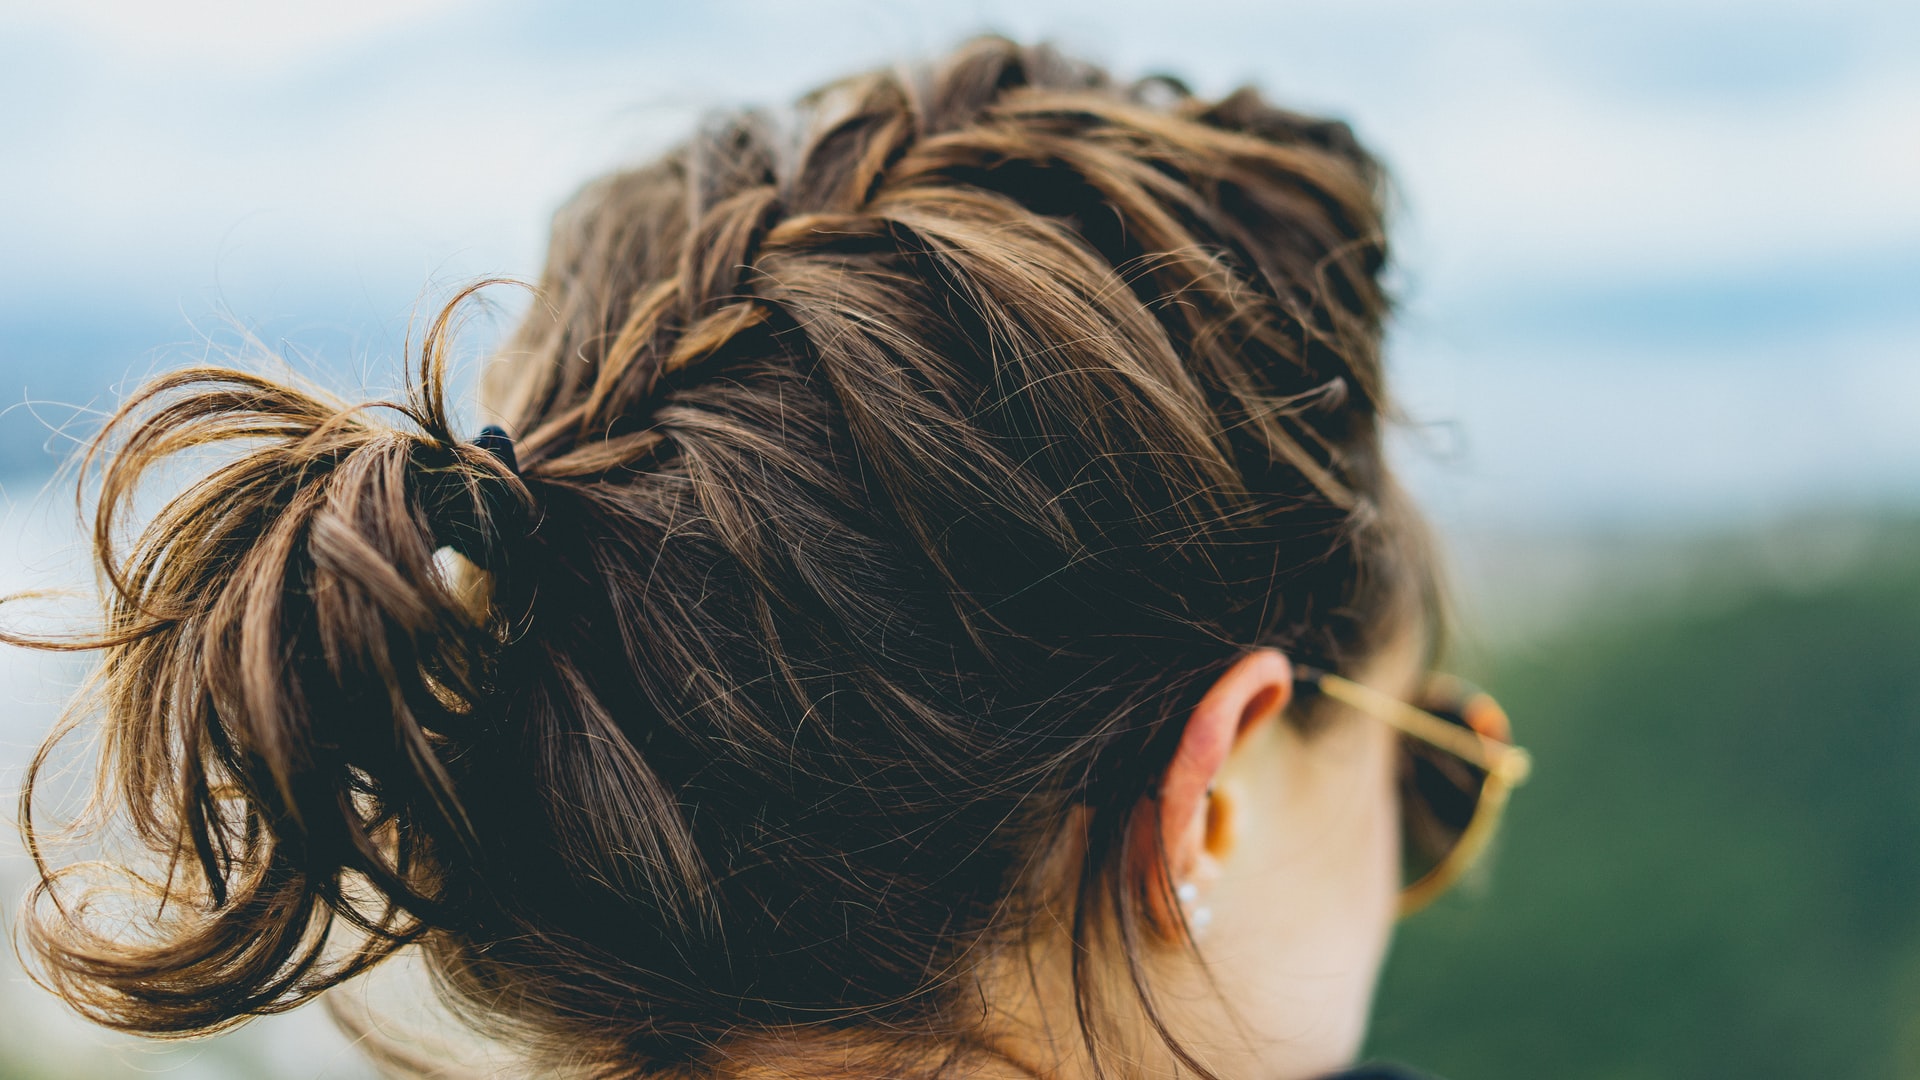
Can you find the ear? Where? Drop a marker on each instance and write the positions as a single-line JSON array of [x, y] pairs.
[[1194, 819]]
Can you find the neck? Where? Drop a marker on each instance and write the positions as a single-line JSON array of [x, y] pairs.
[[846, 1055]]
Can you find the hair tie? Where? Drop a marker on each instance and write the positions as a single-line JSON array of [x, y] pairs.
[[494, 440], [485, 529]]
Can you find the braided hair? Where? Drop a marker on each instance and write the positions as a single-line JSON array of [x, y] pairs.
[[891, 480]]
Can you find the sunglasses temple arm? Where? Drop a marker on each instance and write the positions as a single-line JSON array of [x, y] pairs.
[[1509, 762]]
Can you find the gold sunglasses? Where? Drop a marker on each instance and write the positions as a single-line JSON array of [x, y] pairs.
[[1458, 766]]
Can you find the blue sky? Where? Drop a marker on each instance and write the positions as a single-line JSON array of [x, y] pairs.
[[1661, 260]]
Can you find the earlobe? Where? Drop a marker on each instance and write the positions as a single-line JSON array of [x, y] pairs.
[[1194, 818], [1220, 815]]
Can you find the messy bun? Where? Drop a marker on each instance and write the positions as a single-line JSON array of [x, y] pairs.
[[888, 486], [286, 675]]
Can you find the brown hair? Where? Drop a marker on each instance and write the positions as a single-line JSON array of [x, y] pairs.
[[884, 490]]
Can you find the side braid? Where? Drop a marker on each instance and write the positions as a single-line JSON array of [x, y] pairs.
[[877, 135], [700, 310], [1042, 398], [677, 322]]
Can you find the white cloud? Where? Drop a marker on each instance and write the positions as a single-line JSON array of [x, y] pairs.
[[1515, 174], [241, 34], [1516, 167], [382, 150]]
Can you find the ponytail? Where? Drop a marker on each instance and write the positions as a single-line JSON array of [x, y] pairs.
[[287, 672], [888, 481]]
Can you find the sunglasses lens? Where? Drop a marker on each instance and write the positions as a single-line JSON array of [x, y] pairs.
[[1440, 793]]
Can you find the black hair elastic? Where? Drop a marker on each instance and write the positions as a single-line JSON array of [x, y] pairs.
[[484, 531], [494, 440]]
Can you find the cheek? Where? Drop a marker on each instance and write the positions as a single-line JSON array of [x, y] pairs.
[[1365, 909], [1383, 888], [1385, 819], [1306, 934]]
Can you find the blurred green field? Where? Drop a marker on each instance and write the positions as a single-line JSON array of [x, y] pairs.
[[1715, 871]]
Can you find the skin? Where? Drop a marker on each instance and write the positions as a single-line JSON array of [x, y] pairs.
[[1288, 842]]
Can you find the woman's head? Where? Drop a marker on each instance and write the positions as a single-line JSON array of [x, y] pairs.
[[911, 502]]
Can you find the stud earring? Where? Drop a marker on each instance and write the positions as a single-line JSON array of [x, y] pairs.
[[1198, 915]]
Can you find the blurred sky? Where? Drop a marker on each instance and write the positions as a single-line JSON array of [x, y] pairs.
[[1661, 258]]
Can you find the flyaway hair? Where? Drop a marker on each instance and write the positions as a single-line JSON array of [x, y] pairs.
[[892, 479]]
